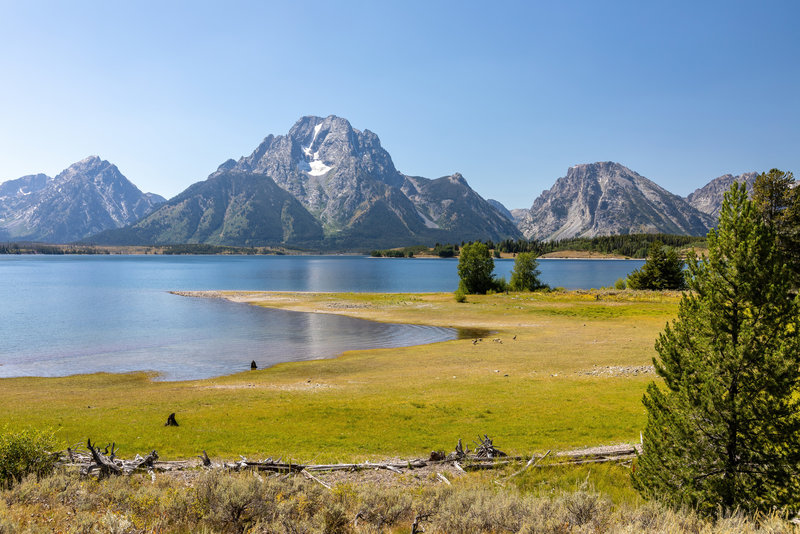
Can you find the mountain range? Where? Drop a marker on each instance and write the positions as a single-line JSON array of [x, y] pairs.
[[328, 186], [89, 196]]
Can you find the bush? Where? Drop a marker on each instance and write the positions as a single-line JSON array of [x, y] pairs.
[[620, 284], [460, 296], [500, 285], [26, 452]]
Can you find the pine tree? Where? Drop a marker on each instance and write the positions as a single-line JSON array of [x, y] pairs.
[[777, 199], [525, 275], [662, 270], [723, 432]]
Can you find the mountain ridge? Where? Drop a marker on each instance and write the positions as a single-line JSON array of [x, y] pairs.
[[89, 196], [347, 181], [708, 198], [607, 198]]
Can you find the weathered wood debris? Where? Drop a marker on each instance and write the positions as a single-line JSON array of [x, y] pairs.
[[93, 461]]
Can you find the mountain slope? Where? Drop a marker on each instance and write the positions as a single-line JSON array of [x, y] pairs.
[[606, 198], [89, 196], [504, 211], [451, 205], [229, 208], [348, 181], [708, 198]]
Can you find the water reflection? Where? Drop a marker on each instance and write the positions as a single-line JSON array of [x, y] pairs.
[[199, 338], [63, 315]]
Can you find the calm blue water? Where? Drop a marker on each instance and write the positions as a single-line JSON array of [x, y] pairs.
[[63, 315]]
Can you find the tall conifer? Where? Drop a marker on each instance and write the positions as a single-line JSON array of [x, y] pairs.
[[723, 431]]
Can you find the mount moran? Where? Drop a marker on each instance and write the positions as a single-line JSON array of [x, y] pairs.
[[328, 186]]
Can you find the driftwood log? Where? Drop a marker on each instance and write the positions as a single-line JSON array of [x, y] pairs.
[[486, 456], [106, 466]]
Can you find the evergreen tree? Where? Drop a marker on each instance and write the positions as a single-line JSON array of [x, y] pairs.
[[778, 201], [662, 270], [475, 266], [724, 430], [525, 275]]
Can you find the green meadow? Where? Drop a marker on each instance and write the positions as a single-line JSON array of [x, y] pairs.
[[566, 381]]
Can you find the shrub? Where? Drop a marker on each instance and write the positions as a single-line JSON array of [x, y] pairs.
[[24, 453], [620, 284], [461, 296]]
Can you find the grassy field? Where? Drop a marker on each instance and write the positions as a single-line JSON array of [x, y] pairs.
[[547, 389]]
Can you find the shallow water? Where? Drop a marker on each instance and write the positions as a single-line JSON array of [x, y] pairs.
[[63, 315]]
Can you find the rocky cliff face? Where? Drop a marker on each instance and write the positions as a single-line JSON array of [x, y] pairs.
[[708, 198], [89, 196], [607, 198]]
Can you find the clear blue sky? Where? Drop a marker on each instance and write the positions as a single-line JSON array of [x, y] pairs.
[[509, 94]]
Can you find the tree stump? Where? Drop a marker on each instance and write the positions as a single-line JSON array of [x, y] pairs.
[[171, 420]]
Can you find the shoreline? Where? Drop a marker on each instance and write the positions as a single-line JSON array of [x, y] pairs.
[[579, 351]]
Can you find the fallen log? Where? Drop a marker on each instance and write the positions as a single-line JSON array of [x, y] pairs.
[[107, 467], [531, 463], [484, 457]]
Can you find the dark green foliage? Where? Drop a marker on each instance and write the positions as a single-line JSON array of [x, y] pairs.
[[445, 251], [475, 266], [24, 453], [25, 247], [662, 270], [631, 245], [724, 432], [525, 275], [778, 201]]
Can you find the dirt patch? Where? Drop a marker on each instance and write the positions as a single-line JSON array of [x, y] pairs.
[[619, 370], [349, 306]]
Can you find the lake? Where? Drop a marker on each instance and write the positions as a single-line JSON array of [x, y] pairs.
[[64, 315]]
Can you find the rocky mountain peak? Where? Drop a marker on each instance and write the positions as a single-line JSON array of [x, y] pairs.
[[227, 165], [89, 196], [606, 198], [457, 178], [601, 170], [90, 167], [708, 198]]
